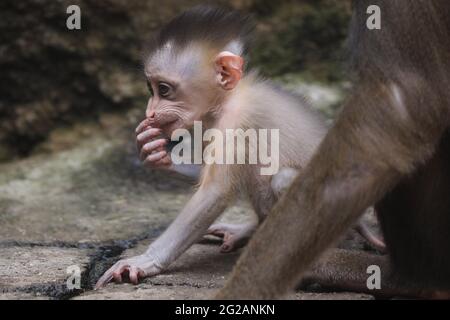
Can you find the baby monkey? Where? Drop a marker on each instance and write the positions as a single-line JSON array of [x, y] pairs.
[[195, 72]]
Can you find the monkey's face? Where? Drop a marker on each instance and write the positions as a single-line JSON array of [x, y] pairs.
[[176, 102], [187, 84]]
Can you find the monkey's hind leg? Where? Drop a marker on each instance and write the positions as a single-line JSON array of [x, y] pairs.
[[234, 236]]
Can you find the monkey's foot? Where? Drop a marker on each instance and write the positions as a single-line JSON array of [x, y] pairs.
[[234, 236], [136, 268]]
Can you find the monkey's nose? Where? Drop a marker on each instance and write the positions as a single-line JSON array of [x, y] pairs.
[[151, 115]]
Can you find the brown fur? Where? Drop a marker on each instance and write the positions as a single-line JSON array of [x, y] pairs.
[[388, 145]]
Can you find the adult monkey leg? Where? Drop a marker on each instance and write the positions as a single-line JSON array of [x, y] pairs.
[[415, 219], [324, 201], [390, 125], [327, 198]]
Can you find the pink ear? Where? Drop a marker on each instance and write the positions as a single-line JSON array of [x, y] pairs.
[[229, 69]]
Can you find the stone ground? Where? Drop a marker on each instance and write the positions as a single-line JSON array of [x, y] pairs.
[[90, 204]]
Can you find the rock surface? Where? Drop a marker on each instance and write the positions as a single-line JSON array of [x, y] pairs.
[[28, 272], [197, 274]]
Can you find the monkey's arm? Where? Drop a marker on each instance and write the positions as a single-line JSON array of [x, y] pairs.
[[362, 157], [189, 226]]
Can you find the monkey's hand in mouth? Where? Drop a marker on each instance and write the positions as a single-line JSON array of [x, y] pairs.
[[152, 146], [135, 268]]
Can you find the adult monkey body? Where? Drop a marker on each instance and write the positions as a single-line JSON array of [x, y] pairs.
[[390, 146]]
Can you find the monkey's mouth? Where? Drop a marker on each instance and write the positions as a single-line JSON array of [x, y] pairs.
[[169, 127], [166, 122]]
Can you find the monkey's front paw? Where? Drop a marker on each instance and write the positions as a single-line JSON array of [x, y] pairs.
[[136, 268], [152, 146]]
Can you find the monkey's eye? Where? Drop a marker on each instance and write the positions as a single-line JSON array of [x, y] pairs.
[[164, 90], [150, 89]]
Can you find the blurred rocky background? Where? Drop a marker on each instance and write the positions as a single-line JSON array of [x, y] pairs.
[[52, 78]]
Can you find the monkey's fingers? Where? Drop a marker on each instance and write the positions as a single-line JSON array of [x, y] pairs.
[[221, 231], [141, 126], [152, 146], [233, 236], [217, 232], [164, 162], [135, 274], [115, 272], [146, 136], [154, 157], [232, 242], [103, 281]]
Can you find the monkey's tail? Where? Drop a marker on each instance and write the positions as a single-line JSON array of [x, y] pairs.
[[374, 241]]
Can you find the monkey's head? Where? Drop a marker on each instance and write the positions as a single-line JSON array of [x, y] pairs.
[[193, 64]]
